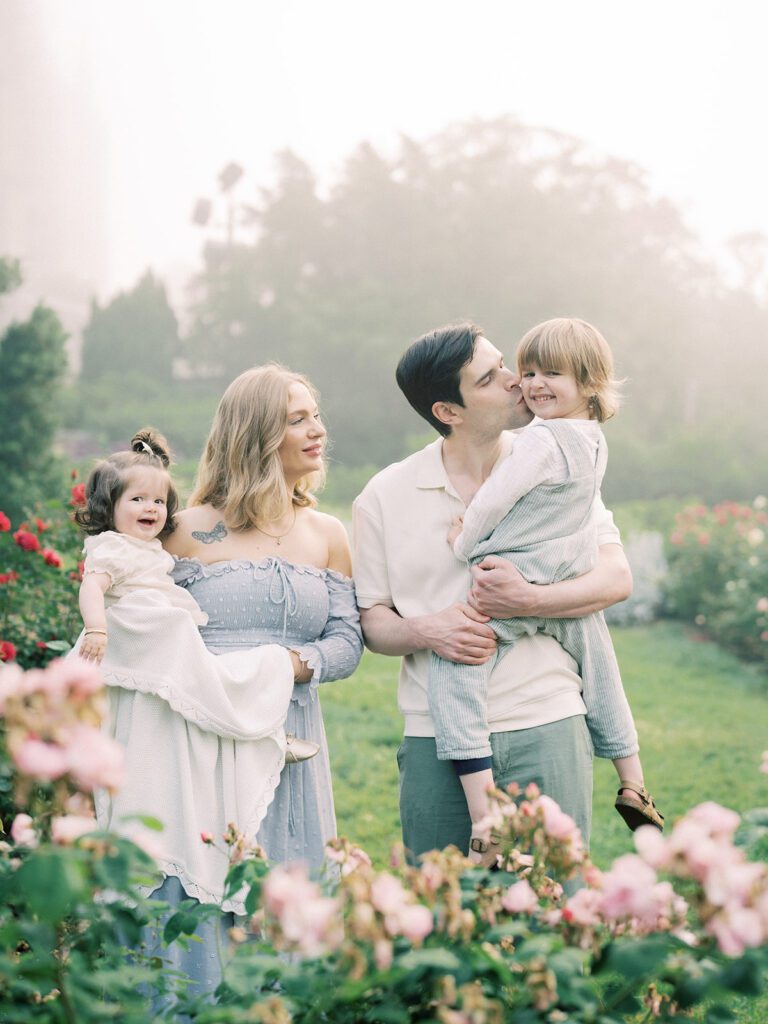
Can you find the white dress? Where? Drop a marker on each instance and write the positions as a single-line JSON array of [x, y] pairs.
[[203, 734]]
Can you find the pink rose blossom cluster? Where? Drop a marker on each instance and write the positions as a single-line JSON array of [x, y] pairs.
[[53, 725], [627, 898], [309, 922], [348, 857], [734, 892], [401, 913]]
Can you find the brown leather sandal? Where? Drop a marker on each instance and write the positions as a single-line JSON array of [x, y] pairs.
[[489, 850], [637, 812]]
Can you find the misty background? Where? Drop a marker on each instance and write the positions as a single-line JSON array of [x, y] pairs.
[[195, 188]]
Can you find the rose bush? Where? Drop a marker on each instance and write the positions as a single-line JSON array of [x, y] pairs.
[[718, 574], [39, 580], [682, 922], [70, 895]]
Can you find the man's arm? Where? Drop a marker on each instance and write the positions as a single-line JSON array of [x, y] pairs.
[[500, 591], [457, 633]]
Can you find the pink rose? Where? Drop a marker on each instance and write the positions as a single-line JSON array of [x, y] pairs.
[[737, 929], [557, 823], [719, 821], [23, 832], [94, 759], [286, 885], [520, 898], [68, 828], [11, 683], [39, 760], [388, 894], [583, 908], [414, 922]]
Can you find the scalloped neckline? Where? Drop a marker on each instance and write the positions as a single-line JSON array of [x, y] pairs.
[[313, 570]]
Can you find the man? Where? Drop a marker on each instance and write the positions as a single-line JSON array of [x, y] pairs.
[[415, 596]]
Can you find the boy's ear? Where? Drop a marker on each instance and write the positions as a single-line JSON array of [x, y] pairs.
[[447, 413]]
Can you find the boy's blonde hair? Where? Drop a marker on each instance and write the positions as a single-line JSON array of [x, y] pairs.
[[573, 346], [240, 472]]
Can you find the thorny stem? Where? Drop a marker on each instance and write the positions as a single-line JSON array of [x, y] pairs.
[[61, 974]]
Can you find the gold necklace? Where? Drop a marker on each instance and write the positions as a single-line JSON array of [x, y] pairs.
[[279, 536]]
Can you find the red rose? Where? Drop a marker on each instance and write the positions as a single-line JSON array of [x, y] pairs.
[[26, 541], [51, 557], [41, 526], [5, 523], [73, 474], [7, 650], [78, 495]]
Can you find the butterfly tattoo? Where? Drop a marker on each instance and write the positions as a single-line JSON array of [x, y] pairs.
[[219, 532]]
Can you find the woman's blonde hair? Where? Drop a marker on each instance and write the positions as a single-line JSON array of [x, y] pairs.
[[573, 346], [240, 472]]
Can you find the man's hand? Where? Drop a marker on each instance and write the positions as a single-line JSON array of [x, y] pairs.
[[458, 633], [499, 591]]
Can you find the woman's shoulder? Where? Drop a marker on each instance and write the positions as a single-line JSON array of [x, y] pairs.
[[335, 534], [197, 519]]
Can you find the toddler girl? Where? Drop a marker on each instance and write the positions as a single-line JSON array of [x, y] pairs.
[[142, 629], [537, 510]]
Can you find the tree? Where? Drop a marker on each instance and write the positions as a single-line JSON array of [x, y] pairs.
[[135, 334], [32, 365]]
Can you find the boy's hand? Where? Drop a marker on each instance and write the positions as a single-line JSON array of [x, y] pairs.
[[457, 524], [93, 647]]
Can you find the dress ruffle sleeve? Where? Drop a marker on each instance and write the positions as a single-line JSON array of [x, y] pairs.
[[109, 553], [337, 651]]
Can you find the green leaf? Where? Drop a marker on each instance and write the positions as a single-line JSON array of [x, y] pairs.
[[146, 820], [743, 975], [51, 882], [181, 923], [637, 958], [61, 646], [439, 959], [719, 1014]]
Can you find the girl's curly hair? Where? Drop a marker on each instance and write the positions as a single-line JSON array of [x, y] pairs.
[[109, 477]]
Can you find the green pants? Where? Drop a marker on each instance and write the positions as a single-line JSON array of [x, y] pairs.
[[557, 757]]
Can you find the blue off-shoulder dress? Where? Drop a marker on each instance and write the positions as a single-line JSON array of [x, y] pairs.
[[312, 611]]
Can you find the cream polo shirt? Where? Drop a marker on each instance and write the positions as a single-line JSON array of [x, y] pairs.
[[402, 560]]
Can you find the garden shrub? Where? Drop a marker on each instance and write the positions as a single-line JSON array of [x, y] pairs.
[[40, 572], [718, 574], [683, 921]]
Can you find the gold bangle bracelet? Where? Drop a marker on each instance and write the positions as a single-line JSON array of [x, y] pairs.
[[86, 632]]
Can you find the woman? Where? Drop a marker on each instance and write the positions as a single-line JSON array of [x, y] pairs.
[[267, 567]]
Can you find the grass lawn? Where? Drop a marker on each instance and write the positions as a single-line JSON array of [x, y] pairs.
[[702, 717]]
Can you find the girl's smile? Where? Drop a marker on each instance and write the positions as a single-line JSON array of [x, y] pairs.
[[141, 510]]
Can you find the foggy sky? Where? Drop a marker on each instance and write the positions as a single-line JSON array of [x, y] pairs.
[[145, 101]]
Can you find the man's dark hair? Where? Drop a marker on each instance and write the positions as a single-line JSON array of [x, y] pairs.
[[429, 369]]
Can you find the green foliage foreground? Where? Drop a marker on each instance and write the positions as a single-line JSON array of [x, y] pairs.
[[439, 942]]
